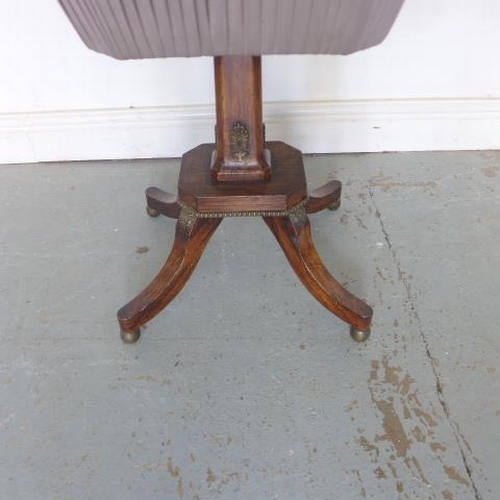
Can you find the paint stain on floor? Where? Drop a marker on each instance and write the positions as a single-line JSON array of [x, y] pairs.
[[410, 430]]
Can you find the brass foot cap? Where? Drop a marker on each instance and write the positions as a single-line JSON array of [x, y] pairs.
[[334, 206], [152, 212], [130, 337], [359, 335]]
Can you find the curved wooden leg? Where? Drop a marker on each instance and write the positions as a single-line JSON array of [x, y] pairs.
[[327, 196], [160, 202], [191, 237], [293, 233]]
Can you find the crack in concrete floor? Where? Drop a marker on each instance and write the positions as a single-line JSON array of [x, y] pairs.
[[439, 388]]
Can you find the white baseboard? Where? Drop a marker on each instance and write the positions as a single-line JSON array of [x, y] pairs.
[[313, 127]]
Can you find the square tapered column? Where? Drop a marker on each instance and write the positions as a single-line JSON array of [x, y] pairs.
[[240, 153]]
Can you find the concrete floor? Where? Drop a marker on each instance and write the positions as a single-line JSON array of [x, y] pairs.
[[245, 387]]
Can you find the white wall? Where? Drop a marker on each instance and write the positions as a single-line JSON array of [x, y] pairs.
[[433, 84]]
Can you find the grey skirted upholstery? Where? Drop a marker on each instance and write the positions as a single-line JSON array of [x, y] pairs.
[[136, 29]]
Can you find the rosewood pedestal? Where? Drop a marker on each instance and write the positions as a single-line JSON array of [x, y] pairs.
[[242, 175]]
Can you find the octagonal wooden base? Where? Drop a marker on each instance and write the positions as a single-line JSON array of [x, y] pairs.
[[200, 191]]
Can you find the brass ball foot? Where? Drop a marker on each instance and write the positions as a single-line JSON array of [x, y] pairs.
[[152, 212], [130, 337], [334, 206], [360, 335]]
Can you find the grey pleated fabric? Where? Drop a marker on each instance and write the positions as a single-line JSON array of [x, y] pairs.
[[136, 29]]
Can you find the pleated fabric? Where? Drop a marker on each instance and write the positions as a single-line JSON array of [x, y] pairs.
[[136, 29]]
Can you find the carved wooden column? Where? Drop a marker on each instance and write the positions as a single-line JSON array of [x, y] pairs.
[[240, 153]]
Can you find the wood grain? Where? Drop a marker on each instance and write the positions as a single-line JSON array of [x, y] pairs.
[[164, 203], [238, 99], [294, 236], [191, 238], [326, 196], [286, 188]]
